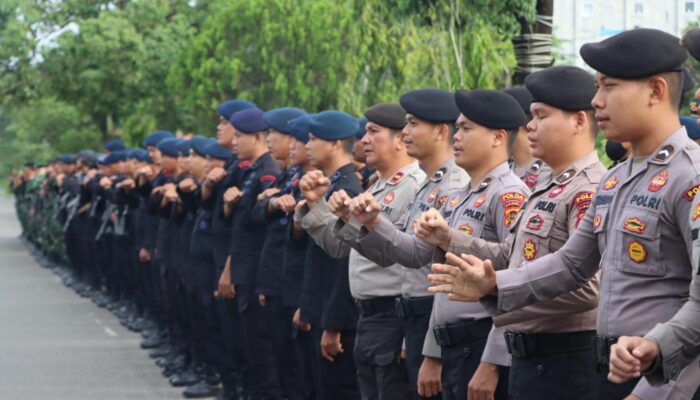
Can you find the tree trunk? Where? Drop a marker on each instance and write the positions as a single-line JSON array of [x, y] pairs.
[[533, 47]]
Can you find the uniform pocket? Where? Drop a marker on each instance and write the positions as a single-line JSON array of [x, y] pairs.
[[640, 243]]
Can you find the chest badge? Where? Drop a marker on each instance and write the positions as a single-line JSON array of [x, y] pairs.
[[433, 194], [530, 250], [635, 225], [610, 183], [466, 229], [454, 200], [535, 222], [658, 181], [530, 180], [389, 197], [480, 201], [556, 191], [597, 220], [637, 252]]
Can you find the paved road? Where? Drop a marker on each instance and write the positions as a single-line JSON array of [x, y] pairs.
[[56, 345]]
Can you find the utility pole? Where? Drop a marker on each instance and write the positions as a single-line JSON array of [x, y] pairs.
[[533, 47]]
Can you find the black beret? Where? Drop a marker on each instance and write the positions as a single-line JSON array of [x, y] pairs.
[[615, 151], [430, 104], [278, 119], [249, 121], [691, 41], [547, 86], [634, 54], [332, 125], [390, 115], [688, 81], [522, 96], [490, 108]]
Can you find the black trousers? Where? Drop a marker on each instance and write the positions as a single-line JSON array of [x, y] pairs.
[[287, 358], [381, 371], [337, 380], [612, 391], [415, 330], [458, 366], [262, 367], [557, 377]]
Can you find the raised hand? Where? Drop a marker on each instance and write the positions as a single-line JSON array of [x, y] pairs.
[[433, 228], [339, 205], [313, 186], [465, 278], [365, 210]]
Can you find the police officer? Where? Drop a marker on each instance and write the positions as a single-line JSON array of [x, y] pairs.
[[548, 337], [272, 209], [427, 135], [245, 247], [637, 229], [381, 371], [528, 168], [325, 300], [487, 209]]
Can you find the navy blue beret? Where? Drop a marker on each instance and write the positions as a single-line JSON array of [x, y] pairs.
[[215, 150], [154, 138], [634, 54], [299, 128], [390, 115], [491, 108], [67, 158], [197, 144], [362, 129], [230, 107], [183, 148], [249, 121], [546, 87], [114, 157], [522, 96], [139, 155], [169, 147], [278, 119], [88, 157], [691, 125], [333, 125], [433, 105], [114, 145]]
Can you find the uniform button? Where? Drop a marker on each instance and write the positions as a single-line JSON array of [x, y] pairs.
[[467, 352], [540, 369]]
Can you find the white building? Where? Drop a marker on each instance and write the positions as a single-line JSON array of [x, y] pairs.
[[581, 21]]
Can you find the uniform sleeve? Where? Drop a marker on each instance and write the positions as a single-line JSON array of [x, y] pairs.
[[678, 338], [496, 351], [498, 253], [248, 217], [431, 348], [319, 223], [386, 246], [567, 269]]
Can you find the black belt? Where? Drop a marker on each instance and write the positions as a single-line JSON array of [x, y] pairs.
[[523, 345], [413, 306], [601, 348], [377, 305], [462, 332]]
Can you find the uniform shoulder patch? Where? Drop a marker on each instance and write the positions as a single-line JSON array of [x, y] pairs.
[[396, 178], [244, 164], [690, 193], [582, 201], [512, 203]]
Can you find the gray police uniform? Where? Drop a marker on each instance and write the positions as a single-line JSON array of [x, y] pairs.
[[416, 302], [637, 232], [533, 173], [381, 372], [487, 210], [678, 338], [552, 336]]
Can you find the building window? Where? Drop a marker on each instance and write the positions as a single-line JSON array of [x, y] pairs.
[[690, 7], [587, 10], [638, 8]]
